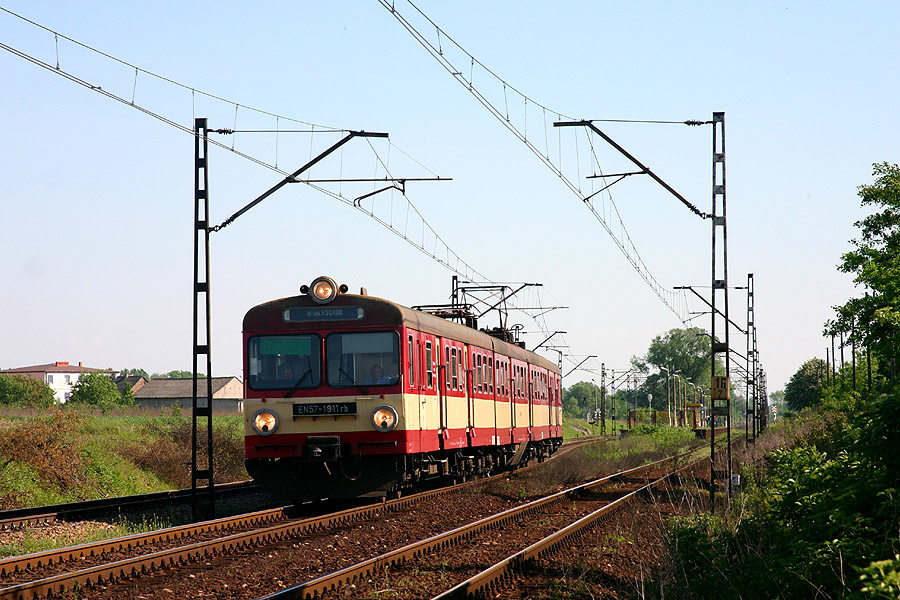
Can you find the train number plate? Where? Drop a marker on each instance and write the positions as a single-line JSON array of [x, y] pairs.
[[325, 409]]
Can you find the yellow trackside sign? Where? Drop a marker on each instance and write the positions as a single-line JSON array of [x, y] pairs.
[[720, 388]]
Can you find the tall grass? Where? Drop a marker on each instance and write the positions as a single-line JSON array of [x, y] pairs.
[[64, 455]]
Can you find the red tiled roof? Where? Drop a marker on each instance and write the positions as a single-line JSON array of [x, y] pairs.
[[54, 367]]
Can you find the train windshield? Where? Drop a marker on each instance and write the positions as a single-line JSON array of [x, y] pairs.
[[362, 359], [285, 362]]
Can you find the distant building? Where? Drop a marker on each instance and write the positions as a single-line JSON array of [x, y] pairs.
[[60, 376], [157, 393], [135, 381]]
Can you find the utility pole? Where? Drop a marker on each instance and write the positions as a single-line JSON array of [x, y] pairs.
[[720, 394], [602, 398], [202, 407], [750, 417]]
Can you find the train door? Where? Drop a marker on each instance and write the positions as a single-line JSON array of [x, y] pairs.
[[442, 398], [545, 398], [471, 371], [443, 386], [551, 401], [504, 417], [530, 403], [431, 392], [413, 408], [513, 394], [519, 404], [492, 394]]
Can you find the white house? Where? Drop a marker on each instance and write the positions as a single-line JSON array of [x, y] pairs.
[[60, 376]]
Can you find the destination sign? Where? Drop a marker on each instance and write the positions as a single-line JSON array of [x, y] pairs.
[[324, 313], [325, 409]]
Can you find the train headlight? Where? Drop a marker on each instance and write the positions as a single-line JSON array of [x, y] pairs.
[[265, 422], [384, 418], [323, 290]]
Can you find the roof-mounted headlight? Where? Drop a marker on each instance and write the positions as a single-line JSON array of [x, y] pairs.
[[265, 422], [323, 290], [384, 418]]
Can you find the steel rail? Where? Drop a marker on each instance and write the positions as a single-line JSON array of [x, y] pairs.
[[17, 564], [491, 580], [174, 556], [184, 554], [21, 517], [361, 571]]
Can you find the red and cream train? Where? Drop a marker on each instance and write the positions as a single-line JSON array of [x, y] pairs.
[[349, 395]]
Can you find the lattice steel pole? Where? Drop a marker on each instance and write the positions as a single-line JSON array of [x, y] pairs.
[[201, 286], [750, 408], [720, 394]]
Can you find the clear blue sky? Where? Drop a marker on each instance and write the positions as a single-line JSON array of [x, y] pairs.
[[97, 196]]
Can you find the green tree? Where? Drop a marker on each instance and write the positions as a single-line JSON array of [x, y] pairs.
[[683, 351], [804, 388], [127, 395], [873, 319], [176, 374], [579, 399], [19, 390], [776, 398], [95, 388], [139, 372]]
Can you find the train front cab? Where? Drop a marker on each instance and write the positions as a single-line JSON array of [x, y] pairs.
[[452, 407]]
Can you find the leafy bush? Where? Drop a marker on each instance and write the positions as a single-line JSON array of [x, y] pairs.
[[19, 390], [43, 453], [880, 580], [165, 450], [820, 522], [95, 388]]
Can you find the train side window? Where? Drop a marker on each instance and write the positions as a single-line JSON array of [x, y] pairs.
[[411, 367], [454, 368], [490, 372], [447, 366], [506, 379], [463, 366], [478, 372], [429, 366]]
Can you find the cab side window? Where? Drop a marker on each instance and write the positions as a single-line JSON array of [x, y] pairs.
[[411, 367], [454, 368], [429, 366]]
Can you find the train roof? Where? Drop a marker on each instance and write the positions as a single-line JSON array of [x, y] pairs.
[[270, 316]]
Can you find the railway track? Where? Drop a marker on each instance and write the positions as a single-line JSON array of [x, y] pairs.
[[53, 571], [77, 511], [56, 571], [544, 525], [94, 569]]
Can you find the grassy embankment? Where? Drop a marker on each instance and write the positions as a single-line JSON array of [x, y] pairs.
[[58, 456]]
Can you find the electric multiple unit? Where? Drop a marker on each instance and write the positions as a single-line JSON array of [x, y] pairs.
[[350, 395]]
